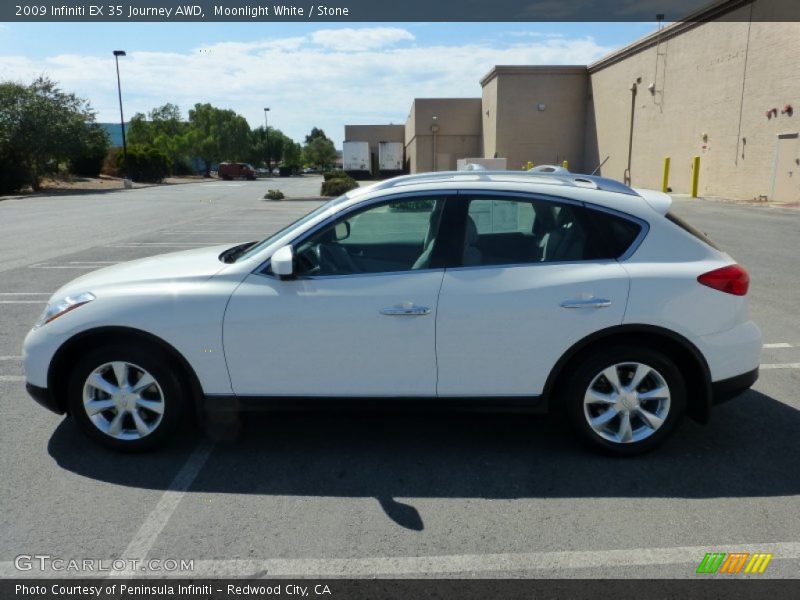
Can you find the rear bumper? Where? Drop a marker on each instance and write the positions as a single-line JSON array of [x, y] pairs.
[[726, 389], [43, 397]]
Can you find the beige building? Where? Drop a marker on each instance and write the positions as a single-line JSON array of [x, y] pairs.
[[535, 114], [439, 131], [374, 134], [724, 87], [703, 89]]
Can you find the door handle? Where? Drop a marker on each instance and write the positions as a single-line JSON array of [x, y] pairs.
[[406, 311], [587, 303]]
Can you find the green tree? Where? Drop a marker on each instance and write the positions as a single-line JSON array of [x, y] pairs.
[[293, 155], [88, 159], [42, 126], [164, 129], [320, 152], [316, 132], [216, 134]]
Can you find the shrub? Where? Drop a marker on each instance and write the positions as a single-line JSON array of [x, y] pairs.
[[110, 167], [335, 175], [87, 159], [145, 163], [12, 178], [89, 162], [274, 195], [338, 186]]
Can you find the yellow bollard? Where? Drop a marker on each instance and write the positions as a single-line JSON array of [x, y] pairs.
[[565, 164], [529, 166], [695, 175], [665, 180]]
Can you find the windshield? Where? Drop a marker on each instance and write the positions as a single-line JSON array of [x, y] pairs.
[[255, 249]]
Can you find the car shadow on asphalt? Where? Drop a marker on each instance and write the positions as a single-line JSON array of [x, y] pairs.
[[748, 450]]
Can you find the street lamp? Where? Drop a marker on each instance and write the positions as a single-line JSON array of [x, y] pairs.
[[266, 129], [117, 54]]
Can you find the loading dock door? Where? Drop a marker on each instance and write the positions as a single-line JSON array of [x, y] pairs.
[[786, 170]]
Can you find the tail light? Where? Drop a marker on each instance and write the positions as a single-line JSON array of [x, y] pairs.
[[732, 279]]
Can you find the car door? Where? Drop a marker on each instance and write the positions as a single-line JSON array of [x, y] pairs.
[[537, 276], [357, 320]]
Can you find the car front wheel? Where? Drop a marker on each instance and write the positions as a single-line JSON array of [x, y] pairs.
[[126, 397], [626, 400]]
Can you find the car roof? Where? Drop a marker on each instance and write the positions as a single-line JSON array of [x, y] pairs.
[[590, 189]]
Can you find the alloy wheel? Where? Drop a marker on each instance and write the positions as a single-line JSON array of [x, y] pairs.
[[123, 400], [627, 402]]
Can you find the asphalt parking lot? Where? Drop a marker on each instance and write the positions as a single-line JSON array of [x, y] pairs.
[[386, 495]]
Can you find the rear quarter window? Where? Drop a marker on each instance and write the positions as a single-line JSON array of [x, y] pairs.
[[612, 235], [690, 229]]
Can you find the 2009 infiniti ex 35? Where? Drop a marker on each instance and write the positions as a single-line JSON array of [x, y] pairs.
[[501, 288]]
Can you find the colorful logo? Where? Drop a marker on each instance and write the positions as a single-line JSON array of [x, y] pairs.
[[733, 563]]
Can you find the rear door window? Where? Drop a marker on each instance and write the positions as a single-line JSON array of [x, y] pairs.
[[506, 231]]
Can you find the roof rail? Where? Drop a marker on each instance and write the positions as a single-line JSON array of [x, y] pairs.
[[559, 177]]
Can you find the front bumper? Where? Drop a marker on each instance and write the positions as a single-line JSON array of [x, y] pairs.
[[727, 389], [44, 397]]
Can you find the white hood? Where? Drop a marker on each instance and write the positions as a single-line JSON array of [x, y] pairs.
[[185, 266]]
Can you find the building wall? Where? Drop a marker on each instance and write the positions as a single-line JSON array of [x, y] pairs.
[[459, 135], [714, 83], [512, 98]]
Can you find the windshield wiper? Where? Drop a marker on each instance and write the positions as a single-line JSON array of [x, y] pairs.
[[231, 254]]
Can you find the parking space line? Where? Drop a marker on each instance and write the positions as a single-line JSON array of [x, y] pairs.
[[155, 522], [12, 378], [455, 564], [22, 301], [781, 366], [11, 357], [25, 293], [779, 345]]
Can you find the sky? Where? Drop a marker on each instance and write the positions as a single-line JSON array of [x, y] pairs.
[[309, 75]]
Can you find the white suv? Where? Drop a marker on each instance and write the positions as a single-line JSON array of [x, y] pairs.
[[495, 290]]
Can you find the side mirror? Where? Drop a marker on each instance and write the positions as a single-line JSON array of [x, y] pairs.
[[282, 262], [342, 231]]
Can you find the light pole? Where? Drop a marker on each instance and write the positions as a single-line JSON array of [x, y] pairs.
[[266, 129], [117, 54]]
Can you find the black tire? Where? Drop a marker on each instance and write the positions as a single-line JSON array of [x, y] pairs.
[[593, 365], [152, 360]]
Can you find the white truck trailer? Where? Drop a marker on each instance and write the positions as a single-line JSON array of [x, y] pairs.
[[390, 158], [356, 160]]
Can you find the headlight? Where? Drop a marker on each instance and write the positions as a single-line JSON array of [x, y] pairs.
[[62, 307]]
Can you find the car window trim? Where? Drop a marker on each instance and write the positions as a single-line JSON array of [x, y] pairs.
[[445, 195]]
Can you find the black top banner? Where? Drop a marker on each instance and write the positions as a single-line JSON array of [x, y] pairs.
[[398, 11]]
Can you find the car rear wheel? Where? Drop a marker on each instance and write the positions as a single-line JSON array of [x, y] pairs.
[[626, 400], [126, 397]]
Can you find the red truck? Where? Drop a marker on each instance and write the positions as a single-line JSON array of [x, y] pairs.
[[229, 170]]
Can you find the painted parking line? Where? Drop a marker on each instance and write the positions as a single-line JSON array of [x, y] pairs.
[[25, 293], [154, 523], [12, 378], [780, 345], [781, 366], [452, 564], [22, 301], [11, 357]]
